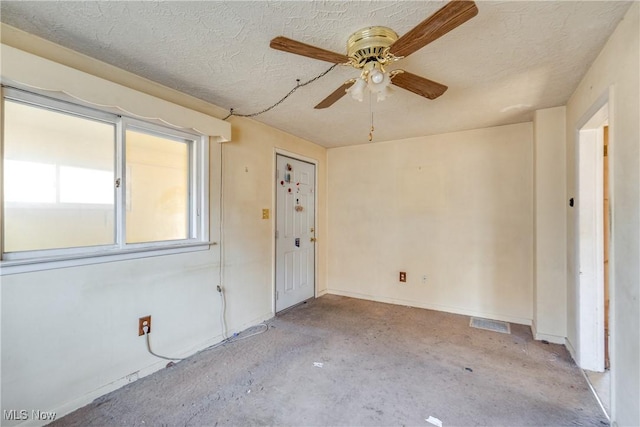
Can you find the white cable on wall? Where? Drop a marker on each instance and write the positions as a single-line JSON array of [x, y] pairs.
[[223, 304], [236, 337], [223, 308], [146, 335]]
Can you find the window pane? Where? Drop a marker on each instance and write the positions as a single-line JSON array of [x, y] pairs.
[[157, 178], [82, 185], [47, 205], [29, 182]]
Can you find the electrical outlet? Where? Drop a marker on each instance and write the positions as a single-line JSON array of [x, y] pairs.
[[403, 276], [142, 322], [424, 279]]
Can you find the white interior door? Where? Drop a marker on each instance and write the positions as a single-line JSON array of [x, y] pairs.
[[295, 231]]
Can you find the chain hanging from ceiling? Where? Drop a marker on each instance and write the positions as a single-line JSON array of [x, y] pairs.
[[371, 111], [297, 86]]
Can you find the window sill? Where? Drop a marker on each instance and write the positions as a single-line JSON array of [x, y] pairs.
[[52, 263]]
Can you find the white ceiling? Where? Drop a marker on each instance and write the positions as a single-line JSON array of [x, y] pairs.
[[514, 57]]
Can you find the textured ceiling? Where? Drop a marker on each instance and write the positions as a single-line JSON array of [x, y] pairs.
[[514, 57]]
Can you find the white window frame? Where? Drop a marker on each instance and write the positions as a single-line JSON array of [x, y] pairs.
[[198, 231]]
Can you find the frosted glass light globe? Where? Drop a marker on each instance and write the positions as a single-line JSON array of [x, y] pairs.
[[376, 77]]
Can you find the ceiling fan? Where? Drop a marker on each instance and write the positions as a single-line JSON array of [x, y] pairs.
[[371, 49]]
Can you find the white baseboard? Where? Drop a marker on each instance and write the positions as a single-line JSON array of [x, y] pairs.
[[572, 350], [555, 339], [538, 336], [534, 328], [437, 307]]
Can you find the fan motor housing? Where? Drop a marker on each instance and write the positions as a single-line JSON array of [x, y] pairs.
[[370, 44]]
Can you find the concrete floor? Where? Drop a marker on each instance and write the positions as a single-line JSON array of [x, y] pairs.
[[341, 361]]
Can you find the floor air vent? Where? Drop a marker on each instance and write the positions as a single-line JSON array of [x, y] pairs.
[[490, 325]]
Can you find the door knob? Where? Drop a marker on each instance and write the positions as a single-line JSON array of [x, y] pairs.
[[313, 239]]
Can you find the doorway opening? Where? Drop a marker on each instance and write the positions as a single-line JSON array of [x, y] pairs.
[[295, 233], [594, 225]]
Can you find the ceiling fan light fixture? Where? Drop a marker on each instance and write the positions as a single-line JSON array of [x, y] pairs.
[[384, 94], [377, 79], [357, 89]]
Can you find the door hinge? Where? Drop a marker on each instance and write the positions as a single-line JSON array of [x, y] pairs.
[[277, 234], [277, 295], [605, 150]]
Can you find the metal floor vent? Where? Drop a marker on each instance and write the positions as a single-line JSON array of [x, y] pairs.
[[490, 325]]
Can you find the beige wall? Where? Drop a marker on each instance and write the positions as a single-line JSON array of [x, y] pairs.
[[249, 176], [70, 335], [549, 301], [615, 73], [456, 208]]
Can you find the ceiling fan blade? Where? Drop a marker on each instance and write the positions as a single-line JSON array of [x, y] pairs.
[[440, 23], [419, 85], [299, 48], [336, 95]]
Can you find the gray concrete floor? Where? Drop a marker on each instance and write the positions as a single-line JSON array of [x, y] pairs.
[[381, 365]]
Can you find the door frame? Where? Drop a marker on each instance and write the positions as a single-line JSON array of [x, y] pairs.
[[591, 245], [296, 156], [591, 355]]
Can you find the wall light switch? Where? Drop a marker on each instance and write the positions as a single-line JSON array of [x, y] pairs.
[[403, 276], [265, 213]]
